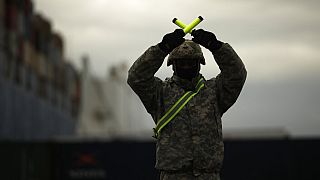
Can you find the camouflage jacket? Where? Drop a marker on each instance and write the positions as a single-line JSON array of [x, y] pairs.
[[194, 137]]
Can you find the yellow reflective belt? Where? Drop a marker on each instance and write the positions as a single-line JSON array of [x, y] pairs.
[[176, 108]]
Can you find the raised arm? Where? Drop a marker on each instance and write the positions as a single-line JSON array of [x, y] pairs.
[[141, 74], [232, 77], [233, 73]]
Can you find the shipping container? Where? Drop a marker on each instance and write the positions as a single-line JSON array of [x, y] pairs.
[[51, 91], [68, 105], [20, 49], [24, 77], [2, 10], [41, 39], [60, 77], [18, 72], [59, 97], [3, 62], [42, 65], [33, 81], [27, 53], [20, 23], [75, 98], [2, 24], [11, 67], [61, 80], [42, 87], [70, 78], [27, 29], [27, 19], [20, 4], [42, 33], [35, 34], [11, 15], [57, 51], [13, 44], [3, 38], [64, 104], [47, 35], [50, 73], [6, 64], [35, 61], [28, 7], [51, 50]]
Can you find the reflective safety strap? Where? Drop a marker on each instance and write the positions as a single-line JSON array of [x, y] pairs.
[[176, 108]]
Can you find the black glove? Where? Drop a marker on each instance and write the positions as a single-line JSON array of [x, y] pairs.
[[206, 39], [172, 40]]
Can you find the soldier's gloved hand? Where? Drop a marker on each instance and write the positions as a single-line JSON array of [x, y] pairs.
[[172, 40], [206, 39]]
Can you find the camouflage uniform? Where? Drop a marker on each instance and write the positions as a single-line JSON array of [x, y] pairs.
[[191, 145]]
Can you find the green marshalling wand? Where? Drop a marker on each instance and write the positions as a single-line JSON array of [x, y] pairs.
[[187, 28]]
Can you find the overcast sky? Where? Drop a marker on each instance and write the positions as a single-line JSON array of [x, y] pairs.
[[279, 42]]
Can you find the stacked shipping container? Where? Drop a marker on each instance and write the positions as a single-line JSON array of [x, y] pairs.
[[32, 57], [2, 37]]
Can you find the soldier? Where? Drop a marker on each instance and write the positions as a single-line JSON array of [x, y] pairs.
[[190, 146]]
